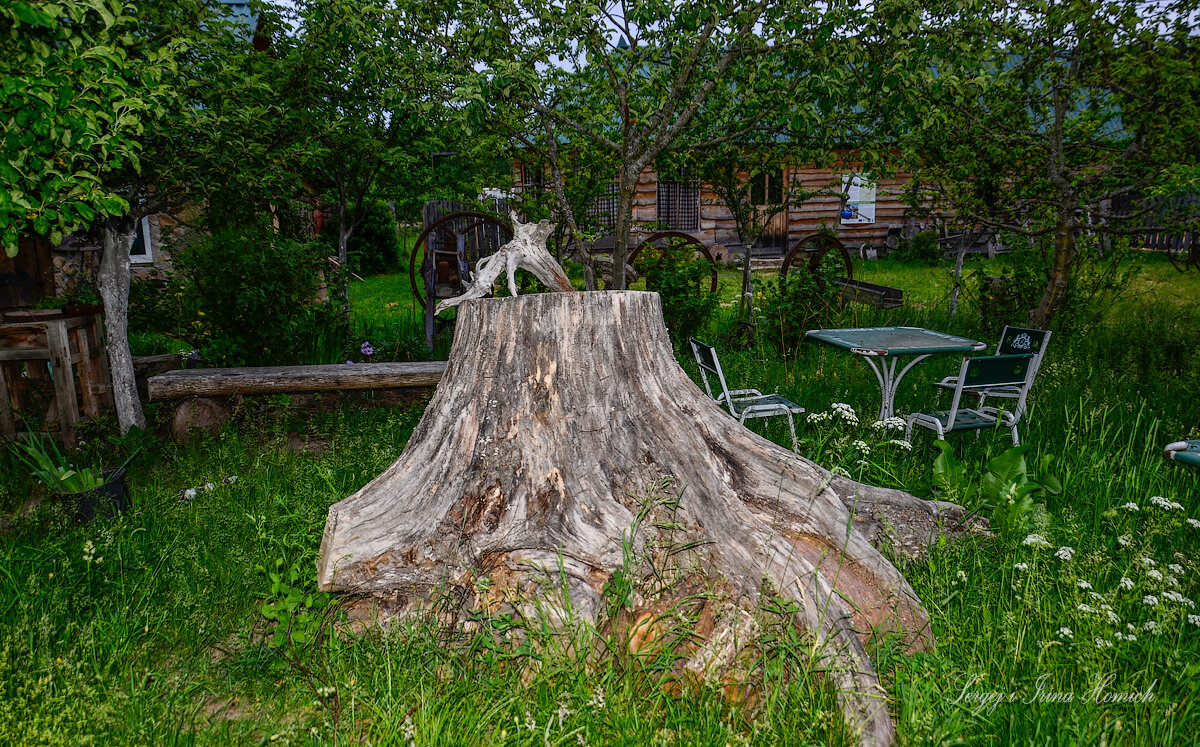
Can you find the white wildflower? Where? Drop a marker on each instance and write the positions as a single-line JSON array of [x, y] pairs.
[[1175, 568], [1151, 627], [409, 729], [1194, 620], [89, 552], [861, 446], [1125, 583], [1147, 562], [1113, 617], [1124, 540], [962, 576], [893, 423], [905, 445], [1095, 595], [1164, 504], [1085, 607], [1065, 633], [845, 412], [1172, 581], [1131, 506], [1195, 524], [230, 480], [1083, 584], [1036, 540], [1103, 643], [1021, 566], [1150, 600], [1065, 553], [597, 700], [814, 418], [1153, 574], [562, 712], [530, 722]]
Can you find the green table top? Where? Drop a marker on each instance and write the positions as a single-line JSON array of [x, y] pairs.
[[894, 340]]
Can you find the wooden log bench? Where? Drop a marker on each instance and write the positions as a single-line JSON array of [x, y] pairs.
[[201, 385]]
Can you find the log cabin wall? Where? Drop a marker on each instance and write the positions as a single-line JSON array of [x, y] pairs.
[[717, 225]]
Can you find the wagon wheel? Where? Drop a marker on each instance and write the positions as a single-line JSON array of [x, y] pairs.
[[817, 249], [445, 226], [1186, 255], [665, 239]]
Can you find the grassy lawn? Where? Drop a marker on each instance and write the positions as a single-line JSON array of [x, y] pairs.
[[156, 635]]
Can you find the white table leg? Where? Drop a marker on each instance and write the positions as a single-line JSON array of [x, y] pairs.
[[889, 380]]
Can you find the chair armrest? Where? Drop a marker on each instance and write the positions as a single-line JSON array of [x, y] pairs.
[[745, 393]]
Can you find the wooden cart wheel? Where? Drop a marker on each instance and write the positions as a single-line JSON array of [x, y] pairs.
[[664, 240], [472, 221], [815, 249], [1186, 255]]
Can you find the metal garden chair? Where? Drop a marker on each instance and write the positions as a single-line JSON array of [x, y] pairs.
[[983, 374], [1013, 341], [742, 403], [1184, 452]]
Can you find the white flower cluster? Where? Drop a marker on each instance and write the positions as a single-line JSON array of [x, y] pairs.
[[1125, 582], [1150, 600], [1155, 575], [1036, 540], [1124, 637], [1021, 566], [1131, 506], [189, 493], [816, 418], [1194, 620], [1065, 553], [1165, 504], [89, 554], [889, 424], [1103, 643], [861, 446], [1065, 633], [904, 445], [1152, 627], [1147, 562], [1175, 568], [1081, 583], [845, 412], [1124, 540], [1195, 524], [1086, 608], [1178, 598]]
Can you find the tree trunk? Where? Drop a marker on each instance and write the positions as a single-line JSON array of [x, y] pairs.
[[1059, 282], [113, 284], [556, 416]]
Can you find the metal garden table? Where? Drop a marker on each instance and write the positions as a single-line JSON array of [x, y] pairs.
[[882, 347]]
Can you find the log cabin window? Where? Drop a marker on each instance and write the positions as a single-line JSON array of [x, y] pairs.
[[533, 176], [767, 188], [679, 204], [142, 250], [603, 209]]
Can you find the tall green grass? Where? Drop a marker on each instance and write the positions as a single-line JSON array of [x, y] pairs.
[[159, 637]]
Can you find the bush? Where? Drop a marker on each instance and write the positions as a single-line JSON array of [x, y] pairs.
[[373, 247], [795, 303], [683, 283], [244, 296], [920, 248]]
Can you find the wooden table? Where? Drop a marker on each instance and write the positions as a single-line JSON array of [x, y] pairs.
[[882, 348], [65, 352]]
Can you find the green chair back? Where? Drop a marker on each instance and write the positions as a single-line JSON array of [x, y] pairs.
[[996, 370], [1021, 340]]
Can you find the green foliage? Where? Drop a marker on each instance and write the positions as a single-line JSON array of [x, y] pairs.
[[796, 303], [1005, 490], [920, 248], [244, 296], [373, 248], [48, 465], [74, 104], [683, 282]]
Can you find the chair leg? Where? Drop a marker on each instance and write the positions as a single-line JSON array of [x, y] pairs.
[[792, 428], [1015, 436]]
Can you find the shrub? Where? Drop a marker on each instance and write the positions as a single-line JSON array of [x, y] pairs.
[[797, 302], [920, 248], [373, 247], [683, 283], [244, 296]]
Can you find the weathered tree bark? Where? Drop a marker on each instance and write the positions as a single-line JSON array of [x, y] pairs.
[[113, 284], [556, 414]]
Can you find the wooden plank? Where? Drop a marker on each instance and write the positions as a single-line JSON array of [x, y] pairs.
[[64, 379], [284, 379]]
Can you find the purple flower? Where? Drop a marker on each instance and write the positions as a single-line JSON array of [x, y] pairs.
[[366, 349], [349, 361]]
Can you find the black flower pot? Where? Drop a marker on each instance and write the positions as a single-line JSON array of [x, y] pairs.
[[108, 500]]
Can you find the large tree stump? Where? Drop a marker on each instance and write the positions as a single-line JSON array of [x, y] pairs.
[[555, 413]]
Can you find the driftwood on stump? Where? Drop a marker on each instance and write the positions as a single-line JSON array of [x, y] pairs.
[[555, 413]]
